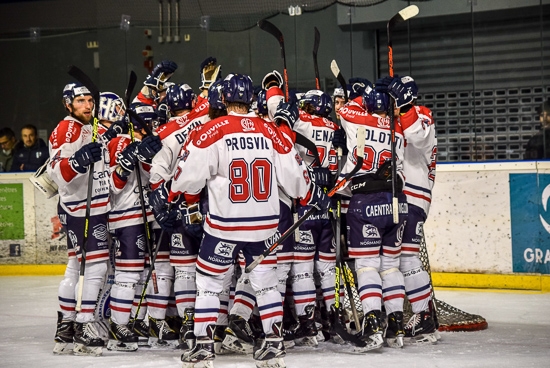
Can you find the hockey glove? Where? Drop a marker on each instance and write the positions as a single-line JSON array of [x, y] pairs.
[[317, 198], [192, 220], [358, 86], [288, 112], [148, 148], [116, 128], [322, 177], [272, 79], [382, 84], [167, 220], [158, 199], [86, 156], [210, 72], [339, 140], [127, 160], [403, 95], [160, 74]]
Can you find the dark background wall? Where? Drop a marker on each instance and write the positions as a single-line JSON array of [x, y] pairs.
[[469, 46]]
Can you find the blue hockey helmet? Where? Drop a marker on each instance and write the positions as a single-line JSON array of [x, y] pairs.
[[238, 88], [261, 101], [148, 114], [179, 97], [375, 100], [111, 107], [72, 90], [321, 102], [215, 95]]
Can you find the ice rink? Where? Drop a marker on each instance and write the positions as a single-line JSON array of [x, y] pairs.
[[518, 335]]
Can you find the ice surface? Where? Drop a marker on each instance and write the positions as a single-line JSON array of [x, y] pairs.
[[518, 336]]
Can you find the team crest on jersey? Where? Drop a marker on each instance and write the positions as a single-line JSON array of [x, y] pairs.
[[116, 244], [384, 123], [224, 249], [420, 228], [306, 237], [272, 239], [185, 155], [247, 125], [140, 242], [73, 238], [370, 231], [298, 159], [177, 241], [100, 232], [399, 234]]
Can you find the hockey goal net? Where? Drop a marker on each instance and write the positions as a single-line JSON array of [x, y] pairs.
[[450, 318]]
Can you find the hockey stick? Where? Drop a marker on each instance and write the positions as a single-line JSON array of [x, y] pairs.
[[361, 134], [338, 74], [403, 15], [80, 76], [275, 32], [315, 65]]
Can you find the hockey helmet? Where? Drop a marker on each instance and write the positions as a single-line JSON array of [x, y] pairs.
[[261, 101], [179, 97], [238, 88], [72, 90], [321, 102], [215, 96], [111, 107], [147, 115], [375, 100]]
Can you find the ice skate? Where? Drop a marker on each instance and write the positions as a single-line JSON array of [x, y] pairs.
[[219, 337], [371, 332], [272, 350], [238, 336], [202, 355], [187, 336], [86, 340], [63, 335], [141, 330], [121, 338], [394, 330], [305, 334], [161, 335], [420, 329]]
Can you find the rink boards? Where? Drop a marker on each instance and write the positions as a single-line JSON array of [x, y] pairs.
[[489, 226]]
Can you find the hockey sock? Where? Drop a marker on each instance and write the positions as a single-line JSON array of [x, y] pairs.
[[303, 286], [185, 288], [157, 303], [417, 283], [122, 295], [393, 286], [207, 304], [66, 292], [93, 280], [264, 282], [326, 273], [369, 283]]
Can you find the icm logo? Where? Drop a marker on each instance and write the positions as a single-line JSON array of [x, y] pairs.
[[100, 232], [370, 231], [177, 241], [306, 237], [224, 249]]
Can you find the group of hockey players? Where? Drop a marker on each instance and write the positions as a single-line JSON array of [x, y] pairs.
[[179, 193]]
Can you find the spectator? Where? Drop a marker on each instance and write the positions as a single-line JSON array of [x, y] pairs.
[[538, 146], [32, 153], [7, 143]]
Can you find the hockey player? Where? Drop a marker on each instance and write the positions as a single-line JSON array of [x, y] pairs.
[[73, 154], [179, 246], [241, 159], [126, 224], [373, 238], [155, 83], [316, 236], [419, 168]]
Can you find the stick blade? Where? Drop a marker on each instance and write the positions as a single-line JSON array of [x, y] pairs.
[[269, 27], [334, 68], [403, 15]]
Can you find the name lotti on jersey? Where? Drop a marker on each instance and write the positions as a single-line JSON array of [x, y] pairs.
[[242, 159], [125, 200], [320, 131], [67, 138], [173, 135], [420, 158]]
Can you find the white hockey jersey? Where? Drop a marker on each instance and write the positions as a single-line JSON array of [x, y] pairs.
[[67, 138], [125, 200], [320, 131], [173, 135], [420, 158], [241, 159]]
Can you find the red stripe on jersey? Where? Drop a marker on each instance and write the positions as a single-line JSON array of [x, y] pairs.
[[240, 228], [367, 253], [67, 131], [127, 217], [211, 269], [93, 205], [408, 119], [428, 199], [118, 181], [66, 170]]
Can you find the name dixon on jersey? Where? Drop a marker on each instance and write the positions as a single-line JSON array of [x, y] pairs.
[[247, 143]]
